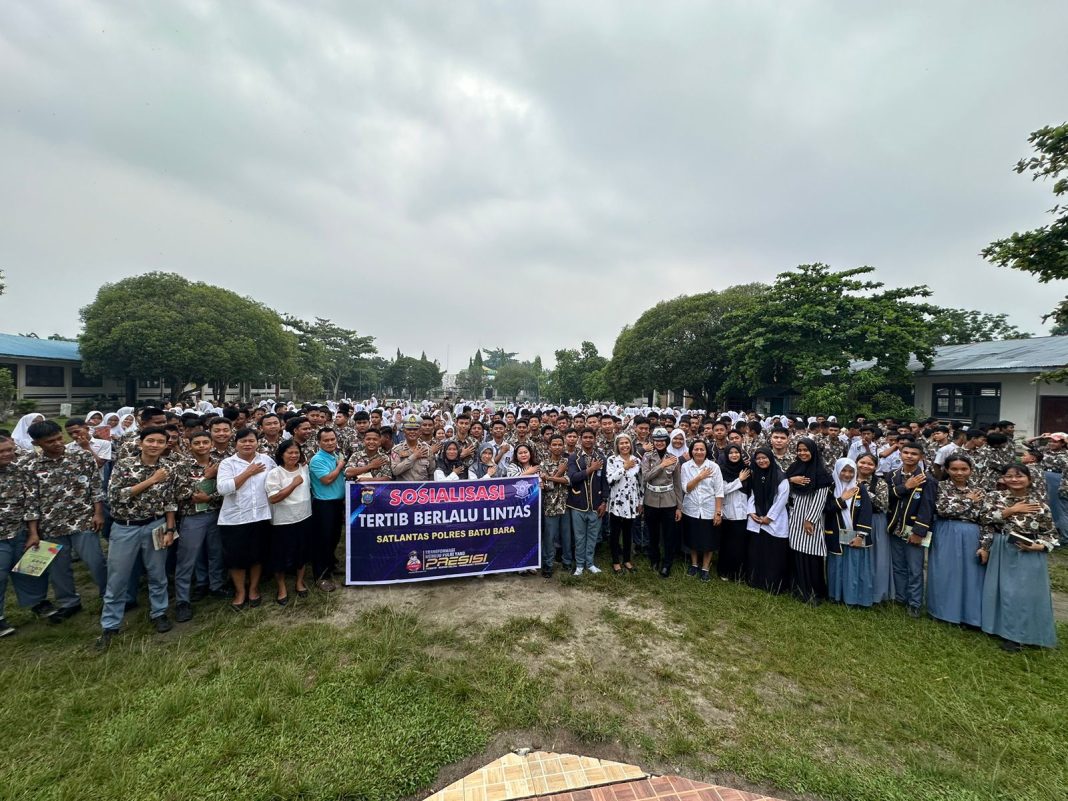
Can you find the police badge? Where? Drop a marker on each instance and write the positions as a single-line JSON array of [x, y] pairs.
[[367, 495]]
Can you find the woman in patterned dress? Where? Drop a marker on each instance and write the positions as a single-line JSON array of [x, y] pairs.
[[809, 486], [879, 492], [1018, 536], [954, 573], [623, 472]]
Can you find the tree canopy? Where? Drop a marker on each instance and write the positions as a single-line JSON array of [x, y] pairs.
[[1043, 251], [142, 327], [566, 382]]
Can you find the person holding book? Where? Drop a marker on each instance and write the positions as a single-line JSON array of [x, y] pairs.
[[1018, 535], [143, 507], [199, 504], [912, 494], [847, 524], [955, 575]]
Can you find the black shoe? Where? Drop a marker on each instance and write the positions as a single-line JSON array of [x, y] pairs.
[[44, 609], [302, 593], [665, 572], [198, 594], [254, 602], [162, 623], [705, 576], [103, 642], [183, 612], [914, 612], [6, 629], [221, 594], [693, 570], [65, 613], [547, 574], [282, 601], [1011, 647]]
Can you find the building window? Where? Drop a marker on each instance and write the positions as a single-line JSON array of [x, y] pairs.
[[41, 376], [80, 379], [976, 403], [148, 383]]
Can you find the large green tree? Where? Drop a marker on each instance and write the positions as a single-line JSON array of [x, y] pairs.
[[566, 380], [679, 344], [961, 326], [1043, 251], [161, 325], [814, 322]]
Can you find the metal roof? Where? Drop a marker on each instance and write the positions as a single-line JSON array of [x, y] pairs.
[[1003, 356], [12, 345]]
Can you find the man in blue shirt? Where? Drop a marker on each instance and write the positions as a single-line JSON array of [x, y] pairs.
[[328, 506]]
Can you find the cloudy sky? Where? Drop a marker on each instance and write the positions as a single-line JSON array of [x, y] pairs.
[[447, 175]]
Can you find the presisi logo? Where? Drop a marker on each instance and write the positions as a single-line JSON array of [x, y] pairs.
[[467, 560]]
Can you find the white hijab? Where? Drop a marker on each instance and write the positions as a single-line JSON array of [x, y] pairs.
[[677, 452], [21, 433], [841, 487]]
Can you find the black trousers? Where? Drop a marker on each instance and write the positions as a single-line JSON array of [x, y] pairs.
[[663, 534], [621, 527], [327, 517]]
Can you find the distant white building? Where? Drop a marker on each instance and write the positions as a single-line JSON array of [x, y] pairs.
[[989, 381]]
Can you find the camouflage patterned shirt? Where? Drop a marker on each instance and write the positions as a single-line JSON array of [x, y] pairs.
[[952, 502], [554, 496], [63, 492], [15, 500], [187, 477], [151, 503]]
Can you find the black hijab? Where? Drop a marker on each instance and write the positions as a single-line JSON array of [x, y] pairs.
[[765, 482], [446, 465], [813, 469], [731, 470]]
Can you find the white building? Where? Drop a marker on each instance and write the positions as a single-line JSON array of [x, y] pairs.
[[988, 381]]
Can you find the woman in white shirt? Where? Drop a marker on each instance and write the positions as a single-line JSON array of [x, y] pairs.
[[289, 493], [702, 507], [623, 472], [734, 539], [244, 520], [769, 534]]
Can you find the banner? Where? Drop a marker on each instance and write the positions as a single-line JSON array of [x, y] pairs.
[[421, 531]]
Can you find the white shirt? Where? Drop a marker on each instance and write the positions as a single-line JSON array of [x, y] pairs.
[[779, 525], [701, 501], [248, 503], [297, 505], [943, 453], [735, 501]]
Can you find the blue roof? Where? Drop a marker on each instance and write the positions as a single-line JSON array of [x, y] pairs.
[[32, 348]]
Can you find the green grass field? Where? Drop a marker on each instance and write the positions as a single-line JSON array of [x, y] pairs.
[[368, 694]]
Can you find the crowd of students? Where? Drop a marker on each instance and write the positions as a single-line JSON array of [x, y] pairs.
[[870, 512]]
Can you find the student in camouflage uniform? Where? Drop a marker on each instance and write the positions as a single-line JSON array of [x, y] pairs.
[[142, 498], [556, 522], [271, 435], [15, 510], [68, 496], [370, 462], [199, 504]]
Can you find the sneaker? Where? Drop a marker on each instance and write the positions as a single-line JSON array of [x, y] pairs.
[[6, 628], [578, 571], [65, 613], [162, 623], [692, 570], [103, 642], [705, 576], [44, 609], [183, 612], [594, 569], [199, 593]]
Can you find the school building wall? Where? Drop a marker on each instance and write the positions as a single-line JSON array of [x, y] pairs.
[[1034, 407]]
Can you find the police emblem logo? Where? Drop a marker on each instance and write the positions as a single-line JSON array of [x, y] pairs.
[[522, 490], [367, 495]]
